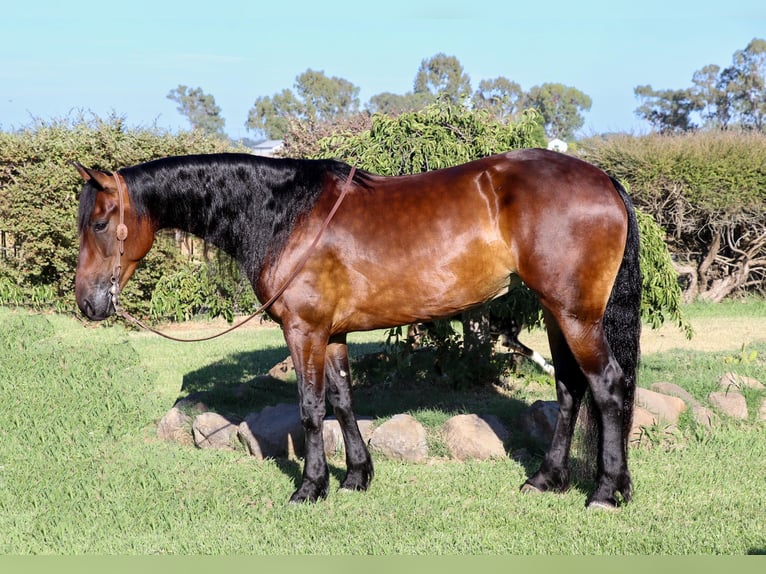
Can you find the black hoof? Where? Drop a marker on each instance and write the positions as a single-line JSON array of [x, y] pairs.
[[358, 479], [546, 482], [309, 492], [611, 494]]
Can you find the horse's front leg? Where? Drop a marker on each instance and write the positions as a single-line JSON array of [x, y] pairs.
[[359, 470], [308, 353]]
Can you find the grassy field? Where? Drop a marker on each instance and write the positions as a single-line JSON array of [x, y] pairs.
[[81, 471]]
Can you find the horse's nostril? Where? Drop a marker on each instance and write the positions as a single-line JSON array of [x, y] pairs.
[[87, 309]]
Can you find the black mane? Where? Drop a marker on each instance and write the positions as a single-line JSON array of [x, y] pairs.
[[244, 204]]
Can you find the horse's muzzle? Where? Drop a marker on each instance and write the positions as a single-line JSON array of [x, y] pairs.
[[96, 305]]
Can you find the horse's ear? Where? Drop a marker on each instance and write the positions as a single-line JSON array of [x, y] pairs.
[[98, 178]]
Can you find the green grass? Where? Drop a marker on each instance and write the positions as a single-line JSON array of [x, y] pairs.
[[728, 308], [81, 471]]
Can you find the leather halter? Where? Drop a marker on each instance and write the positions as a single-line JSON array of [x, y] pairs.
[[122, 235]]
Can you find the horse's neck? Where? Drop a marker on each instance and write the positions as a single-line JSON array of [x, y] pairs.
[[204, 211]]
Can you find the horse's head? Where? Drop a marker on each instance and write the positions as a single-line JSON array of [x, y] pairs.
[[113, 239]]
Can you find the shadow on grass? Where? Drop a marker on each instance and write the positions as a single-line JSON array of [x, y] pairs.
[[239, 384]]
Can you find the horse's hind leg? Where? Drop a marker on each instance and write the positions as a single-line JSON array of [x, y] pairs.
[[570, 388], [606, 381], [359, 470]]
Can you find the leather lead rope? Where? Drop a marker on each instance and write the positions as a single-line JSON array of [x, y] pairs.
[[122, 234]]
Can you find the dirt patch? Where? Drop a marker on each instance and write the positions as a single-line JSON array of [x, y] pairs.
[[710, 334]]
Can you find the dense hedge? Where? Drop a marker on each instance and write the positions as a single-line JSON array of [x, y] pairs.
[[708, 190], [38, 203]]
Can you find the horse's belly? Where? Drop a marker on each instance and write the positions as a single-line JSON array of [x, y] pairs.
[[416, 288]]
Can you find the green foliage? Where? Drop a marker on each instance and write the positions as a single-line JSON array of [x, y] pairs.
[[442, 76], [317, 98], [199, 288], [661, 291], [501, 97], [39, 189], [744, 357], [715, 174], [707, 190], [667, 111], [438, 136]]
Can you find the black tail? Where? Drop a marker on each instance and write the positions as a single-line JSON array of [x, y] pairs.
[[622, 320]]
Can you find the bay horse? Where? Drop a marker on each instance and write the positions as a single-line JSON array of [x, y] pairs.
[[398, 250]]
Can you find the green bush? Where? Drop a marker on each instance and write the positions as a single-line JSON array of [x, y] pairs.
[[201, 288]]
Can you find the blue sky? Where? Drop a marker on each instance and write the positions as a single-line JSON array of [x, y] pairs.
[[124, 57]]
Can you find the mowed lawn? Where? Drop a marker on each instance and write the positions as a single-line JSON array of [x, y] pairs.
[[82, 472]]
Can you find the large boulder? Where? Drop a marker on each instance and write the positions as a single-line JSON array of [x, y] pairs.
[[538, 421], [731, 403], [211, 430], [474, 437], [273, 432], [400, 438]]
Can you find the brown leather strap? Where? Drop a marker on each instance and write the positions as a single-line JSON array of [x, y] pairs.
[[298, 268]]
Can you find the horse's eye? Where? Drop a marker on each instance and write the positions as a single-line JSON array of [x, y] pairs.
[[100, 226]]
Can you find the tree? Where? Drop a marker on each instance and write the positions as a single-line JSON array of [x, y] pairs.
[[199, 108], [270, 114], [745, 81], [317, 97], [394, 104], [501, 97], [442, 76], [668, 111], [708, 97], [561, 107], [721, 98]]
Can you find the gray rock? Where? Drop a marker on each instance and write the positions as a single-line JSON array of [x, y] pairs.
[[211, 430], [474, 437], [703, 416], [539, 420], [333, 436], [400, 438], [667, 409], [273, 432], [175, 426], [642, 419], [674, 391], [732, 403], [283, 371], [734, 381]]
